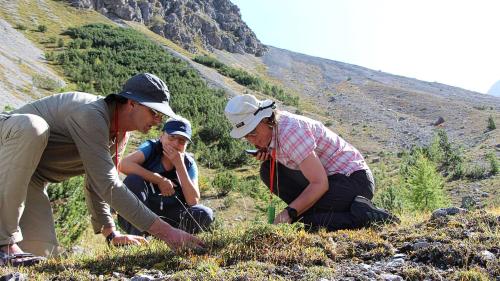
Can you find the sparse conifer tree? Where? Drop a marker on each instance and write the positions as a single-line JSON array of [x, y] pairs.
[[491, 124], [425, 185], [494, 166]]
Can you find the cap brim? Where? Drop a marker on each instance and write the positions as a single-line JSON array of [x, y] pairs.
[[162, 107], [238, 133], [180, 134]]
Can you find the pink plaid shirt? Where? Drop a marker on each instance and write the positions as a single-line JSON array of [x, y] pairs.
[[299, 136]]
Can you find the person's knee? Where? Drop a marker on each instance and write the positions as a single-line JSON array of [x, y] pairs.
[[135, 183], [203, 215], [206, 215]]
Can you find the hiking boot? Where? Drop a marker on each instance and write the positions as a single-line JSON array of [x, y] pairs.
[[363, 209]]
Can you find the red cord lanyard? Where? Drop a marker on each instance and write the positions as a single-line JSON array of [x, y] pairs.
[[273, 164], [116, 137]]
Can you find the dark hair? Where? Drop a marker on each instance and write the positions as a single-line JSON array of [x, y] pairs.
[[115, 98], [273, 119]]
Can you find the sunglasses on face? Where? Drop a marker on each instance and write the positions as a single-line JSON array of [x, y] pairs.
[[156, 114]]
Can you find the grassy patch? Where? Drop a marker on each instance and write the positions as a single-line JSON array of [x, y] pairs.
[[258, 251]]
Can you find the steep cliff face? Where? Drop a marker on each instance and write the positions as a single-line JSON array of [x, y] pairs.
[[191, 23]]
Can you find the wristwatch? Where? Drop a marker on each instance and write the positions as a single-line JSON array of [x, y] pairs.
[[292, 213], [110, 237]]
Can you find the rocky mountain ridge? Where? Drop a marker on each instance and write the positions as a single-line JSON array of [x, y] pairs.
[[212, 24]]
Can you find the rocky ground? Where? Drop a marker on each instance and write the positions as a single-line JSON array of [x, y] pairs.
[[453, 244]]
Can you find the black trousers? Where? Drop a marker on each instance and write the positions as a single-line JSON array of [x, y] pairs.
[[332, 210], [176, 212]]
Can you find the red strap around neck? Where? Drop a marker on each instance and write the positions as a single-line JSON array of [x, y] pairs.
[[116, 137], [273, 164]]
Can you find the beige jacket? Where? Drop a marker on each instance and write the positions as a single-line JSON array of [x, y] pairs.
[[79, 143]]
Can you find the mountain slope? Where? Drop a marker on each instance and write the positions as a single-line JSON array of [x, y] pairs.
[[20, 63], [495, 89], [24, 73], [377, 110]]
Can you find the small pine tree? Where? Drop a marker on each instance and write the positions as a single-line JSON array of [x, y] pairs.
[[491, 124], [42, 28], [425, 185], [494, 166], [224, 182]]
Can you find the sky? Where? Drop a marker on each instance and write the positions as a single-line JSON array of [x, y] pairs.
[[451, 42]]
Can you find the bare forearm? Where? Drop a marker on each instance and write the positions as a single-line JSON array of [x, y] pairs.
[[309, 197], [189, 187]]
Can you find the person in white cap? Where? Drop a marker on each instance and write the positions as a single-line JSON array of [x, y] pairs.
[[324, 180], [70, 134]]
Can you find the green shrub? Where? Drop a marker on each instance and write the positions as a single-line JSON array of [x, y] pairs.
[[224, 182], [473, 274], [246, 79], [388, 191], [475, 172], [448, 157], [491, 124], [45, 82], [8, 108], [20, 26], [60, 43], [424, 184], [69, 208], [42, 28], [50, 56], [391, 198], [492, 158]]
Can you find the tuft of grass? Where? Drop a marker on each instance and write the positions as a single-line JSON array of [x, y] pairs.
[[473, 274]]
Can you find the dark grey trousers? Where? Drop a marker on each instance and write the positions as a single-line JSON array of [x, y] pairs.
[[176, 212], [332, 211]]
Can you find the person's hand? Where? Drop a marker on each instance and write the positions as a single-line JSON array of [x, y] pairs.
[[127, 239], [282, 217], [173, 154], [263, 155], [175, 238], [166, 187]]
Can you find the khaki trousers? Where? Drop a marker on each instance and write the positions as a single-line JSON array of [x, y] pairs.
[[25, 212]]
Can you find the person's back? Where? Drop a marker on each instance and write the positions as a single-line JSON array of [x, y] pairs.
[[60, 159]]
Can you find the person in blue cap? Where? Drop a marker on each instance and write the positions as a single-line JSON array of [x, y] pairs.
[[165, 178]]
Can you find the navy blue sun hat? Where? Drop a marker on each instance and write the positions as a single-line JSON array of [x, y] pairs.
[[178, 126], [148, 90]]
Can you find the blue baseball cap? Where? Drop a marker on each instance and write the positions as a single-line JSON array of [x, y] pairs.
[[178, 126]]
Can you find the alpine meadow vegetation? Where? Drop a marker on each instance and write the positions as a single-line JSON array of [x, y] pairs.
[[98, 58]]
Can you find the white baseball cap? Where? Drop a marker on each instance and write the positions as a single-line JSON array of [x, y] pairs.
[[245, 112]]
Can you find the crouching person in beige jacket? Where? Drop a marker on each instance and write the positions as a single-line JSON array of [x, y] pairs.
[[64, 135]]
